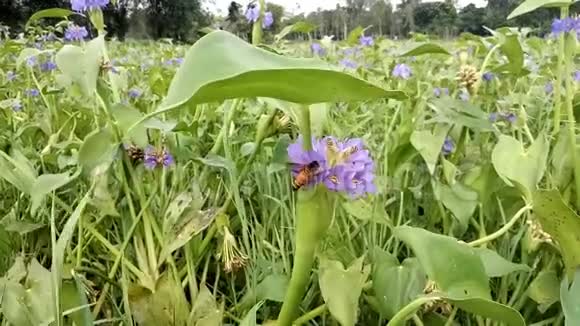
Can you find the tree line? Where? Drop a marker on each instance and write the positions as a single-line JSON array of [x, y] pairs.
[[182, 19]]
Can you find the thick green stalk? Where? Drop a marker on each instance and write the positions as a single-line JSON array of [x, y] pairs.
[[313, 216], [408, 311], [257, 28], [571, 40], [558, 86]]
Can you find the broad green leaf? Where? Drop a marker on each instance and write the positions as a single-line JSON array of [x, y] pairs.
[[462, 113], [512, 49], [520, 167], [97, 151], [48, 13], [561, 160], [250, 319], [570, 299], [354, 35], [460, 200], [205, 311], [497, 266], [81, 65], [17, 170], [18, 270], [396, 285], [221, 66], [429, 144], [39, 292], [458, 272], [73, 296], [166, 306], [531, 5], [424, 48], [341, 289], [272, 287], [218, 162], [298, 27], [545, 290], [562, 223], [570, 43], [126, 117], [45, 184], [362, 209], [14, 307]]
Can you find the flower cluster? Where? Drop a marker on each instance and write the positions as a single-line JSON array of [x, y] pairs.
[[153, 158], [402, 71], [75, 33], [366, 40], [135, 93], [509, 117], [566, 25], [317, 49], [342, 166], [268, 19], [253, 14], [48, 66], [85, 5], [448, 146], [440, 91]]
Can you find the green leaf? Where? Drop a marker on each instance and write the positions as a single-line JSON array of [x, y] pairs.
[[97, 151], [570, 298], [221, 66], [531, 5], [512, 49], [396, 285], [341, 289], [272, 287], [570, 45], [424, 48], [545, 289], [429, 144], [82, 65], [45, 184], [166, 306], [497, 266], [458, 272], [39, 292], [126, 117], [250, 319], [354, 35], [562, 223], [298, 27], [18, 270], [14, 307], [460, 200], [17, 170], [48, 13], [205, 311], [518, 166], [363, 210]]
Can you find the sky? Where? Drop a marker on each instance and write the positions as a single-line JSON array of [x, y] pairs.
[[297, 6]]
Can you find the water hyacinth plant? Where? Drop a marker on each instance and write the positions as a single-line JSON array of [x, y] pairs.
[[352, 180]]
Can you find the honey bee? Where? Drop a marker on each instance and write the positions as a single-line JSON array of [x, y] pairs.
[[305, 175]]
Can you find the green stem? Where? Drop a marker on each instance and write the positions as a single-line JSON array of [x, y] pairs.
[[559, 68], [410, 309], [257, 28], [310, 315], [572, 121], [503, 230], [484, 65], [304, 125]]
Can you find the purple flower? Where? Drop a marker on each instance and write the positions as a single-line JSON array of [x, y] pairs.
[[549, 87], [32, 92], [16, 106], [48, 66], [31, 61], [10, 76], [268, 19], [493, 117], [84, 5], [153, 158], [577, 75], [448, 146], [253, 13], [317, 49], [565, 25], [402, 71], [488, 76], [464, 95], [351, 167], [439, 91], [135, 93], [348, 63], [299, 158], [509, 117], [75, 33], [174, 61], [366, 40], [350, 51]]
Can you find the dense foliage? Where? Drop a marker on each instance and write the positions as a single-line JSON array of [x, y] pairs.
[[365, 181]]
